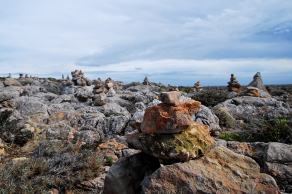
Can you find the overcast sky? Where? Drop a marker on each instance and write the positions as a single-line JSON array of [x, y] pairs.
[[171, 41]]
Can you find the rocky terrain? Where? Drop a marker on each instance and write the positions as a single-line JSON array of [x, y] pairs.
[[103, 136]]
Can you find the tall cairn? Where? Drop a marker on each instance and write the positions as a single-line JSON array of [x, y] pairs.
[[233, 84]]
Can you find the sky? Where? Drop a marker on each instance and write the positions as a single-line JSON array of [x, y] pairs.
[[170, 41]]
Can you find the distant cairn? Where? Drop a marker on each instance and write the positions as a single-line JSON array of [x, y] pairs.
[[146, 81], [197, 86], [233, 84], [79, 79]]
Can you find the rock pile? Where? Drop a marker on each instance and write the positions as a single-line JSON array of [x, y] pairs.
[[109, 85], [79, 79], [146, 81], [256, 87], [197, 86], [233, 84], [169, 133], [99, 97]]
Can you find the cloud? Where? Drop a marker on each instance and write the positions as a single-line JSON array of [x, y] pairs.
[[45, 36]]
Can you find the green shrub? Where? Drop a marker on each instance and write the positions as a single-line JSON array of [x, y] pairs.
[[211, 97]]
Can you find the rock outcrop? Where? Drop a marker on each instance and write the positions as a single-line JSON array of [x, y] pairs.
[[241, 112], [219, 171], [274, 158]]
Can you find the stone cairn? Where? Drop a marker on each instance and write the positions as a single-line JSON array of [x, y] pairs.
[[79, 79], [146, 81], [233, 84], [169, 133], [99, 97], [197, 86], [109, 85], [256, 87]]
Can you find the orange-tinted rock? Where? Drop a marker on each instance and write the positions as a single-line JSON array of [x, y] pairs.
[[163, 118], [252, 91]]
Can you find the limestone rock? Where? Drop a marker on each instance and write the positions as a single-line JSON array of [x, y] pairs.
[[111, 92], [99, 99], [170, 98], [11, 82], [258, 82], [250, 111], [163, 118], [274, 158], [180, 147], [219, 171], [205, 116]]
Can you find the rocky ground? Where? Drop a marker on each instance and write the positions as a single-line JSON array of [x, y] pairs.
[[92, 136]]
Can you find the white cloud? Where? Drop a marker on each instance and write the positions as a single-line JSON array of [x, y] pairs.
[[43, 36]]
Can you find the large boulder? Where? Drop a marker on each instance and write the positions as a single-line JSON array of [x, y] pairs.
[[125, 176], [191, 143], [274, 159], [219, 171], [166, 119]]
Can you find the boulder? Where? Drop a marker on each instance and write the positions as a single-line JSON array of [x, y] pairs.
[[167, 119], [219, 171], [180, 147], [258, 82], [274, 158], [99, 99], [170, 98], [205, 116], [125, 176], [11, 82]]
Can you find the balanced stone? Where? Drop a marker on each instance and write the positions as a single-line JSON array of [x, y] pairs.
[[233, 84]]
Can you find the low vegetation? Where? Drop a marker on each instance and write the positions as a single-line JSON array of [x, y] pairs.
[[277, 130]]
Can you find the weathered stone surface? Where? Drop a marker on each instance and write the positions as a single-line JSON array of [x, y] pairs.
[[166, 119], [99, 99], [258, 82], [191, 143], [219, 171], [274, 159], [170, 98], [250, 110], [207, 117], [125, 176], [11, 82]]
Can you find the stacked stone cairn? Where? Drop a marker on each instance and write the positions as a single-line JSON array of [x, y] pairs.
[[79, 79], [233, 84], [99, 90], [169, 133], [197, 86], [146, 81], [109, 85]]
